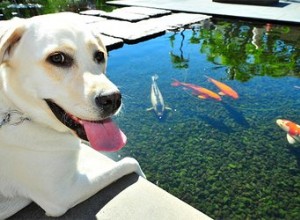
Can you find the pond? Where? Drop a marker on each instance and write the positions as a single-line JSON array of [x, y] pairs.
[[227, 158]]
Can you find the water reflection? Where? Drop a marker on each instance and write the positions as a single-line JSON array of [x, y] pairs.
[[249, 50], [177, 54]]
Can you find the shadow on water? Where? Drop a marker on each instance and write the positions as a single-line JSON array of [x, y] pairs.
[[236, 115], [216, 124], [296, 152]]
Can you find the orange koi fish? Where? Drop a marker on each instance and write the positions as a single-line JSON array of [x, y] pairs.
[[225, 90], [292, 129], [201, 92]]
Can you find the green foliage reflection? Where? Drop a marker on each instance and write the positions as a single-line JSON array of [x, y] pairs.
[[251, 50]]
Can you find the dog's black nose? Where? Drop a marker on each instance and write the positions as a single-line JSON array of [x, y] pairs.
[[109, 104]]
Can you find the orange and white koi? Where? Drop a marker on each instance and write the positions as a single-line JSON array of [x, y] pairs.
[[199, 91], [224, 89], [292, 129]]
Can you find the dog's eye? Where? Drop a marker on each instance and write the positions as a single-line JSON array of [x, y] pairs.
[[60, 59], [99, 57]]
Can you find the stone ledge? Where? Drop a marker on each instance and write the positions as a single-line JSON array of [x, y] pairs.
[[249, 2], [131, 197]]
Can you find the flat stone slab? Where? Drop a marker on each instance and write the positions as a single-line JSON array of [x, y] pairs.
[[111, 43], [127, 31], [123, 15], [151, 12], [135, 24], [91, 12], [117, 14], [132, 14], [92, 19], [145, 29], [284, 11], [173, 21]]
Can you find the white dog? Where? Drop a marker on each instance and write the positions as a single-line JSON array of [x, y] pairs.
[[53, 90]]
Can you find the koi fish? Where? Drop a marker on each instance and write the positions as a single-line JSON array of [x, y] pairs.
[[292, 129], [157, 100], [224, 89], [201, 92]]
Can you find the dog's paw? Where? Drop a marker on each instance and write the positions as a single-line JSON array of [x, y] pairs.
[[55, 211], [132, 165]]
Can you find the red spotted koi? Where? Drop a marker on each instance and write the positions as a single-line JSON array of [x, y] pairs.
[[292, 129]]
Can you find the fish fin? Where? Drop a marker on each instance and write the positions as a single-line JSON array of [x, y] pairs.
[[208, 78], [149, 109], [221, 93], [168, 108], [175, 83], [290, 139], [202, 97]]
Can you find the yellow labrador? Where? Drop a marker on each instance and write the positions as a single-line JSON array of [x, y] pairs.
[[53, 93]]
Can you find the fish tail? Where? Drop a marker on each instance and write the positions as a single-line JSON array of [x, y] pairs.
[[176, 83], [208, 78], [154, 77]]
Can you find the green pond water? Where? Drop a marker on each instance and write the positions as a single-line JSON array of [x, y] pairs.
[[228, 159]]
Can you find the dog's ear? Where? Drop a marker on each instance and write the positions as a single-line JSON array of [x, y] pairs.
[[98, 36], [10, 33]]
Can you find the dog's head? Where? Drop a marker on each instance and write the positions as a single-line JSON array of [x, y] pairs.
[[53, 69]]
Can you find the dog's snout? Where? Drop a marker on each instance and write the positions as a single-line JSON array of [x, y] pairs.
[[110, 103]]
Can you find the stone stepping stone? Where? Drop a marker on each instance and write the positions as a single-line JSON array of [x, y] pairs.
[[151, 12], [175, 20], [91, 19], [123, 15], [145, 29], [117, 14], [127, 31], [91, 12], [111, 43]]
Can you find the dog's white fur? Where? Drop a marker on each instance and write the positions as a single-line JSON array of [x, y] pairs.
[[41, 159]]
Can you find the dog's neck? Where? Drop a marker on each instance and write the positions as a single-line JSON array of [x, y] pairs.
[[9, 114], [12, 117]]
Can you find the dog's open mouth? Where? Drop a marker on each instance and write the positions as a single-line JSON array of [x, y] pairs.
[[103, 135]]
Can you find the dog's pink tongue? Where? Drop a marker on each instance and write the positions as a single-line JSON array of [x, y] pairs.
[[104, 136]]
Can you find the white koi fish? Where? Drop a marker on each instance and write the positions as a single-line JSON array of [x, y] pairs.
[[157, 100]]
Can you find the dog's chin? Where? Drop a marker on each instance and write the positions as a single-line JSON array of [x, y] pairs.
[[67, 119]]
